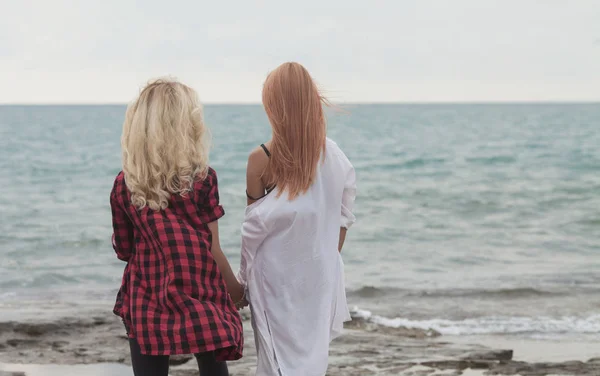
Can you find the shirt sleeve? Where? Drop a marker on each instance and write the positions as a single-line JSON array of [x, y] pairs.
[[122, 238], [254, 233], [210, 207], [348, 197]]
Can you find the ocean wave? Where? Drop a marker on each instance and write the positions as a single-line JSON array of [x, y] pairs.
[[492, 160], [519, 292], [42, 280], [373, 292], [420, 162], [489, 325], [505, 293]]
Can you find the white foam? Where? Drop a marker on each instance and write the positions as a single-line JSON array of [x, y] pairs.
[[491, 325], [357, 313]]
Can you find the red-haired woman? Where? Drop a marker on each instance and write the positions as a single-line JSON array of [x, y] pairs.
[[301, 190]]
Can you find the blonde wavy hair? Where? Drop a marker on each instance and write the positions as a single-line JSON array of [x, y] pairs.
[[165, 143], [294, 107]]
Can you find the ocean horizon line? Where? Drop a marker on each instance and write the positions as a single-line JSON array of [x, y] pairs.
[[357, 103]]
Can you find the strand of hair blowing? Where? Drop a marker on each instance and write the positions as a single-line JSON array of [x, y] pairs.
[[295, 110]]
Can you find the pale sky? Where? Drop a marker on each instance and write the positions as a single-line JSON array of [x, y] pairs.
[[92, 51]]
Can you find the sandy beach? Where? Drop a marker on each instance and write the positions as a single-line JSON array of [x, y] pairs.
[[97, 346]]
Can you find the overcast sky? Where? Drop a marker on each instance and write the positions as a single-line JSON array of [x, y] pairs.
[[95, 51]]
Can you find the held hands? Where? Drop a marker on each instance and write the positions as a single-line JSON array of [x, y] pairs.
[[242, 304], [238, 295]]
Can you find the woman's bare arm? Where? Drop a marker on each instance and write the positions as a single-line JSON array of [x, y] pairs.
[[235, 289], [257, 163], [343, 232]]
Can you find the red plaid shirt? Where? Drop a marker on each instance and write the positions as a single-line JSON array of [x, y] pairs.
[[173, 299]]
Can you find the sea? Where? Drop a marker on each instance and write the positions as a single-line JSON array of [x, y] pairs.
[[472, 219]]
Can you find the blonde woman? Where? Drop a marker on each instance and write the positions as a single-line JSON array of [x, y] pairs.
[[165, 207], [301, 190]]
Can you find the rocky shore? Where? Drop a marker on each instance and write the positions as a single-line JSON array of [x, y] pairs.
[[365, 349]]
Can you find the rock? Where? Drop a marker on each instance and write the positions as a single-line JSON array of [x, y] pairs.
[[422, 372], [176, 360], [81, 351], [59, 344], [398, 370], [6, 327], [543, 369], [458, 364], [16, 342], [365, 349], [414, 333], [99, 321], [365, 324], [499, 355], [35, 330]]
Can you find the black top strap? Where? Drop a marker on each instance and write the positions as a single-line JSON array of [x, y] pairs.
[[258, 198], [267, 152], [268, 189]]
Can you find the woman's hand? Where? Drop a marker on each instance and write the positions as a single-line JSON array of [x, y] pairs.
[[243, 304], [236, 291], [237, 294]]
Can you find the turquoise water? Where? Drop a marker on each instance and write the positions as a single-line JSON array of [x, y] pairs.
[[471, 218]]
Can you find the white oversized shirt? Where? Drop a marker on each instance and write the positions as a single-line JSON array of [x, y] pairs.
[[294, 273]]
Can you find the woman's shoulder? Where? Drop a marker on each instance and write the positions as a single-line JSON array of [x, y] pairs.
[[120, 178], [211, 174], [332, 148], [260, 154], [119, 183], [258, 159], [119, 194], [206, 179]]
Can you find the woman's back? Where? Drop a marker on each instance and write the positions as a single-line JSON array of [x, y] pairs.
[[177, 290], [294, 272]]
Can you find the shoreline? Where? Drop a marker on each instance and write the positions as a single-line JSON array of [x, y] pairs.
[[537, 350], [97, 345]]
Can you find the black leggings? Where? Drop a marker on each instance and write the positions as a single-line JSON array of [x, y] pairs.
[[158, 365]]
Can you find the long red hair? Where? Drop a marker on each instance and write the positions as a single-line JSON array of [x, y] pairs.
[[294, 107]]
